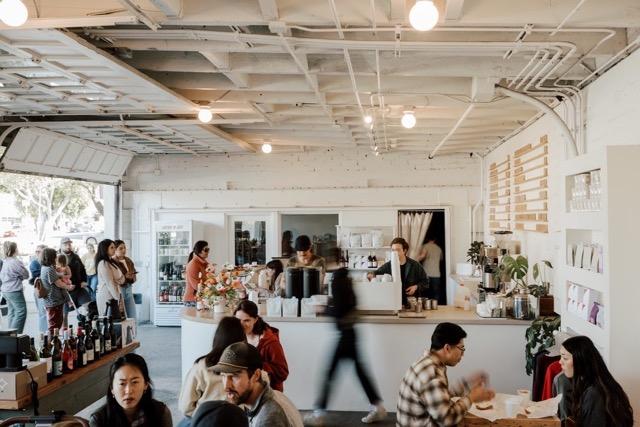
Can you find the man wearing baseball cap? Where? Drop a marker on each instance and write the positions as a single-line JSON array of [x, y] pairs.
[[79, 295], [240, 368], [305, 257]]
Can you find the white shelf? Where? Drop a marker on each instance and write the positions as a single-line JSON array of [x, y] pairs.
[[362, 269], [179, 245], [586, 278], [366, 249], [584, 220], [582, 327]]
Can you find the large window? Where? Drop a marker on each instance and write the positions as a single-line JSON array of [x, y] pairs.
[[250, 241], [321, 229]]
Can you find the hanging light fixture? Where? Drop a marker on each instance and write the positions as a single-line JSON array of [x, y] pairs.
[[423, 15], [205, 115], [368, 119], [408, 119], [13, 12], [266, 148]]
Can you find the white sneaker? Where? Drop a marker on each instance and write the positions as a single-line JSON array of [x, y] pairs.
[[377, 414], [315, 418]]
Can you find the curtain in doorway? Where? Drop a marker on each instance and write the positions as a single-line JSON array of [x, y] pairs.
[[413, 228]]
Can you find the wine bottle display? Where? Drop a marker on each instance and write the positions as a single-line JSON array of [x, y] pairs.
[[45, 355], [56, 355]]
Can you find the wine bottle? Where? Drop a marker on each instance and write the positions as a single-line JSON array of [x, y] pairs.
[[45, 355], [95, 336], [106, 336], [88, 345], [100, 334], [33, 353], [67, 354], [375, 261], [56, 355], [369, 261], [73, 345], [112, 332], [80, 350]]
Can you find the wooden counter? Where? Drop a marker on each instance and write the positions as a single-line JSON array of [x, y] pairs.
[[73, 391], [471, 420]]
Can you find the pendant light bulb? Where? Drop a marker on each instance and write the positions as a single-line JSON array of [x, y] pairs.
[[423, 15], [13, 12], [408, 120], [368, 119], [205, 115], [266, 148]]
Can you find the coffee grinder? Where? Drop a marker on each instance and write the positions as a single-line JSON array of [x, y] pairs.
[[12, 346]]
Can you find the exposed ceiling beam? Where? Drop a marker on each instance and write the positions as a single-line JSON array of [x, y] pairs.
[[140, 14], [221, 62], [398, 11], [150, 122], [228, 137], [453, 10], [171, 8], [269, 10]]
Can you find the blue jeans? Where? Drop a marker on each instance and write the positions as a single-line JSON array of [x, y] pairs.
[[129, 303], [185, 422], [17, 310], [92, 281], [43, 322]]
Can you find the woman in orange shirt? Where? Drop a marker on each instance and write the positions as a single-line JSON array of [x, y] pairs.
[[196, 268]]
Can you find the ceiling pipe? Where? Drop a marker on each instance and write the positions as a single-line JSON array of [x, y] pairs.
[[543, 107], [566, 18], [480, 200], [462, 118]]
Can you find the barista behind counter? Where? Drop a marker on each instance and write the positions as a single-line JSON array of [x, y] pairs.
[[414, 279], [306, 258]]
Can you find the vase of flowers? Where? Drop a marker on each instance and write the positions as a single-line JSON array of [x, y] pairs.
[[219, 290]]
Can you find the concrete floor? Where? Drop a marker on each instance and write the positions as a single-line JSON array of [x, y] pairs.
[[161, 349]]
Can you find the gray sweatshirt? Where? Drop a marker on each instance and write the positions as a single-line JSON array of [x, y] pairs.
[[273, 409], [12, 275]]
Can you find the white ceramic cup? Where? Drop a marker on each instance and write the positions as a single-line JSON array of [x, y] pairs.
[[524, 393], [512, 405]]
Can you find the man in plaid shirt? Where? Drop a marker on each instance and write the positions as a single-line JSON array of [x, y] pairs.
[[425, 395]]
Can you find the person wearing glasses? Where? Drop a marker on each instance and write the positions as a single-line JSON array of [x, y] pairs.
[[196, 269], [425, 397]]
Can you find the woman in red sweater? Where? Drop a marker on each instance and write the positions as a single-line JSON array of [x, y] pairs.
[[196, 268], [265, 338]]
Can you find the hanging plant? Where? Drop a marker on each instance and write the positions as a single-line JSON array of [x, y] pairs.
[[539, 337]]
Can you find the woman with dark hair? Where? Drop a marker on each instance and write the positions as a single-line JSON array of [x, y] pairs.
[[196, 269], [265, 339], [597, 399], [110, 278], [55, 286], [274, 269], [343, 310], [12, 274], [201, 383], [129, 271], [130, 399]]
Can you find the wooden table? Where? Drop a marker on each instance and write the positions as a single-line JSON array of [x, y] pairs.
[[71, 392], [471, 420]]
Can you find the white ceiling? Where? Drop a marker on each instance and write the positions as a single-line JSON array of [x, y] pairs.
[[301, 74]]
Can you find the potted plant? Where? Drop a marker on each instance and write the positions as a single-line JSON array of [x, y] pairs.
[[524, 305], [539, 337], [475, 256], [542, 287]]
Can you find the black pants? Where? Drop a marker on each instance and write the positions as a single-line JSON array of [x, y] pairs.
[[347, 349]]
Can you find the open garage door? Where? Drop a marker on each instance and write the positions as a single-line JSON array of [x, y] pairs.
[[42, 152]]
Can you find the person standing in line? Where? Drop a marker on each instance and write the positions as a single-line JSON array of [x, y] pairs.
[[425, 398], [130, 401], [343, 309], [430, 256], [78, 273], [274, 270], [12, 274], [196, 270], [266, 339], [89, 262], [129, 270], [110, 278], [56, 289], [240, 368], [596, 399], [202, 384], [34, 269]]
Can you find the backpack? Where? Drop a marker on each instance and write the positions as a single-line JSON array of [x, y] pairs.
[[41, 291]]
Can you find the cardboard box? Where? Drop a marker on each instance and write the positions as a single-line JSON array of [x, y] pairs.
[[15, 385], [125, 332]]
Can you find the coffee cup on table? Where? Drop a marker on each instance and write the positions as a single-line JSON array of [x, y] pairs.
[[524, 394], [512, 406]]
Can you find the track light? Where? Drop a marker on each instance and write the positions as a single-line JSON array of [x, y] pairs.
[[205, 115], [13, 12], [408, 119], [266, 148], [423, 15]]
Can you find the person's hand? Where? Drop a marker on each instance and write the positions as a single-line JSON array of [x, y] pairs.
[[72, 287], [83, 284], [370, 276], [70, 304], [481, 394], [477, 378], [411, 290]]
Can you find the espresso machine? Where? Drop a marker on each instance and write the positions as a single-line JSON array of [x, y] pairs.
[[490, 265], [12, 346]]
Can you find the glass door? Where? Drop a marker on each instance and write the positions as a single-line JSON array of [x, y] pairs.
[[172, 249], [249, 239]]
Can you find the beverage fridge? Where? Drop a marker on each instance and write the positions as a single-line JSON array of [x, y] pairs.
[[173, 243]]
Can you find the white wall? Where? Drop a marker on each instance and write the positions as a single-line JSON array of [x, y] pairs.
[[206, 188]]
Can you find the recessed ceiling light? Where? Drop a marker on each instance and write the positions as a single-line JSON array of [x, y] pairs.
[[205, 115], [423, 15], [13, 13], [266, 148], [408, 119], [368, 118]]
